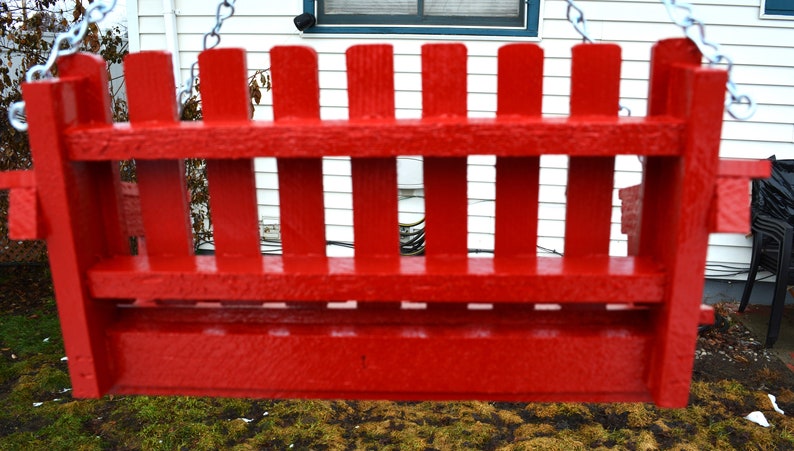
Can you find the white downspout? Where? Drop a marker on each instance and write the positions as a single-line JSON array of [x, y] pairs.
[[172, 38]]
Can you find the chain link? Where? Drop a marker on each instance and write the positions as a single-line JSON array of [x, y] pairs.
[[66, 43], [212, 39], [575, 16], [740, 106]]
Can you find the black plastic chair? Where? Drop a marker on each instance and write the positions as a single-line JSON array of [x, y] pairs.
[[773, 237]]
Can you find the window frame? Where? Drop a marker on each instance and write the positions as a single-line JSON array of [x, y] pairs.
[[529, 28], [785, 14]]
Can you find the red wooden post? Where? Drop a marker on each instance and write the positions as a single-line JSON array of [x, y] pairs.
[[161, 182], [370, 85], [595, 94], [695, 94], [519, 92], [232, 188], [71, 209], [446, 208], [296, 97]]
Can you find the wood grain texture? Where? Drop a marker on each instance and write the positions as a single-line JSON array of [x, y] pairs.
[[519, 93], [444, 96], [595, 91], [588, 280], [439, 136], [162, 184], [296, 96], [370, 79], [73, 216], [232, 187]]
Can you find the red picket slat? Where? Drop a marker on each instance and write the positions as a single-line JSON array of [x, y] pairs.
[[658, 172], [161, 183], [296, 97], [232, 187], [595, 91], [370, 86], [444, 95], [519, 92], [697, 95]]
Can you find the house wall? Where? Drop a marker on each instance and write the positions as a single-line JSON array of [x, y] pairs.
[[761, 50]]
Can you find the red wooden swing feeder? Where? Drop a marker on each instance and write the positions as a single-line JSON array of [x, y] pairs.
[[167, 321]]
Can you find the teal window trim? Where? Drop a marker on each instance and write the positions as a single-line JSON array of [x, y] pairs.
[[778, 8], [467, 26]]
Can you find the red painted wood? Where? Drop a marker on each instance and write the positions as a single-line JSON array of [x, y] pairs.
[[24, 219], [96, 111], [657, 188], [24, 216], [74, 223], [706, 315], [731, 209], [444, 96], [698, 97], [370, 85], [660, 235], [232, 188], [519, 92], [595, 91], [664, 55], [441, 137], [372, 355], [587, 280], [631, 216], [296, 96], [17, 179], [132, 208], [163, 190]]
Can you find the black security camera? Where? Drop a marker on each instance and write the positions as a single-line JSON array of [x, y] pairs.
[[304, 21]]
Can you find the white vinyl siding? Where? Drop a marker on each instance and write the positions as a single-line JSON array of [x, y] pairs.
[[761, 50]]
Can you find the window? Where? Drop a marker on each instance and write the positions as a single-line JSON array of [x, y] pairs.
[[777, 8], [457, 17]]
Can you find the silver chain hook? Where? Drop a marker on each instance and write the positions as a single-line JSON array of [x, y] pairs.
[[72, 38], [212, 39], [739, 106]]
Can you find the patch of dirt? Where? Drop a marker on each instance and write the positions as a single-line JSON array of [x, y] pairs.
[[26, 290], [728, 350]]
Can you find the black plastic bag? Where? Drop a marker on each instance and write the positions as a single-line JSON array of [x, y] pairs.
[[775, 196]]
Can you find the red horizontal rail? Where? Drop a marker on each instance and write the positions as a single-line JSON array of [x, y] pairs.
[[438, 136], [17, 179], [547, 279], [375, 354]]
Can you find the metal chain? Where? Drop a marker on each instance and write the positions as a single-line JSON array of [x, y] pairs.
[[211, 40], [680, 13], [65, 43], [575, 16], [740, 106]]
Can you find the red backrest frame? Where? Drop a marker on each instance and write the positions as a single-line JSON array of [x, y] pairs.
[[170, 322]]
